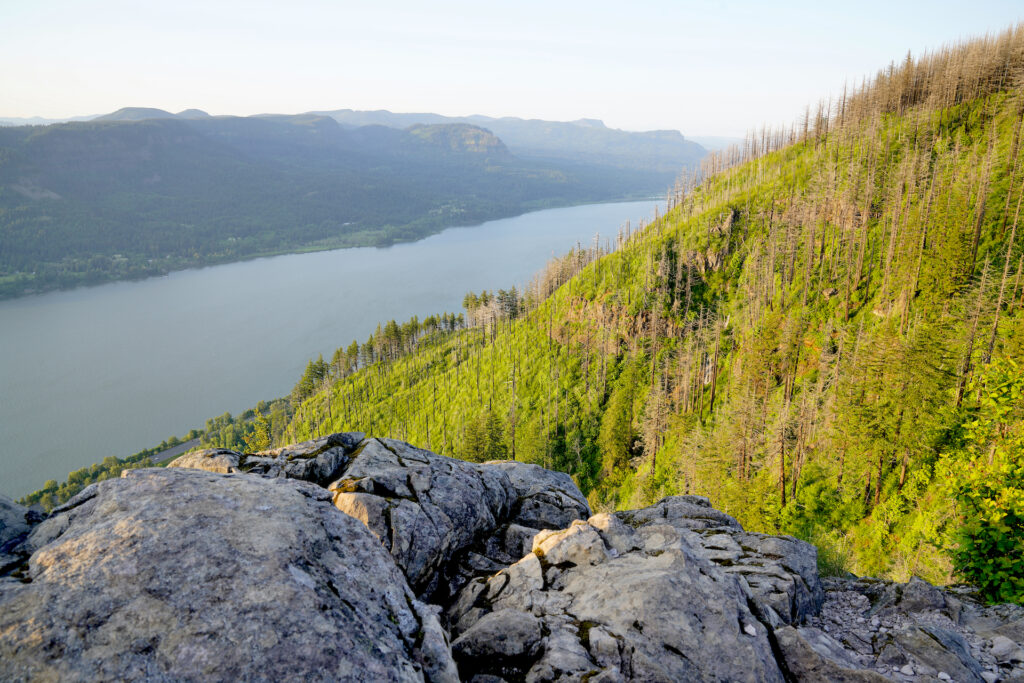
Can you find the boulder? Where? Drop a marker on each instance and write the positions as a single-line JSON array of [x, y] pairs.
[[914, 597], [443, 520], [930, 649], [217, 460], [425, 508], [544, 499], [1007, 651], [499, 644], [780, 571], [617, 603], [177, 574], [684, 512], [14, 524], [319, 460], [809, 654]]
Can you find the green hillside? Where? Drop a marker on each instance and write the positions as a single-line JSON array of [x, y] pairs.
[[823, 335]]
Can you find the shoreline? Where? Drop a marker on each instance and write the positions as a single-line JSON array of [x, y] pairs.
[[305, 249]]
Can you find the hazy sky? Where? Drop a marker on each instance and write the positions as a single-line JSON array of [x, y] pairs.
[[703, 67]]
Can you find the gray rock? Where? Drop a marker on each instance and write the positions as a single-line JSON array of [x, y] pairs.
[[424, 508], [1007, 651], [1012, 629], [246, 570], [780, 571], [443, 520], [888, 626], [318, 461], [914, 597], [989, 621], [544, 499], [580, 544], [499, 643], [176, 574], [644, 614], [810, 655], [15, 523], [217, 460], [620, 538], [690, 512], [941, 650]]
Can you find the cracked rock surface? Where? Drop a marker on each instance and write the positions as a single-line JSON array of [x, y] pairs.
[[423, 507], [910, 632], [613, 601], [780, 572], [317, 461], [347, 558], [176, 574]]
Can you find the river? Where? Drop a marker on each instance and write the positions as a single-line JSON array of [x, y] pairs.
[[113, 369]]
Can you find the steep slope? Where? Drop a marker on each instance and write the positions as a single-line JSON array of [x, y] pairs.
[[824, 339]]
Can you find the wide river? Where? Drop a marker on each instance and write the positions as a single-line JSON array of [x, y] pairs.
[[113, 369]]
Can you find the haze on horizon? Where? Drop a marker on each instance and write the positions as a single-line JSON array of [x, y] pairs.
[[702, 67]]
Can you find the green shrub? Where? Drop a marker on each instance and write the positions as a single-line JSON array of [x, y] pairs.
[[986, 478]]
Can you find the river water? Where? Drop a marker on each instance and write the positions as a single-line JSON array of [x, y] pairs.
[[113, 369]]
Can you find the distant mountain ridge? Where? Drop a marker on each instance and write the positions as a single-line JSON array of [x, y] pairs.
[[586, 140], [582, 141], [141, 191]]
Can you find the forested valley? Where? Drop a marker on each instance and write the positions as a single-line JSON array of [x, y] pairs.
[[824, 334], [142, 192]]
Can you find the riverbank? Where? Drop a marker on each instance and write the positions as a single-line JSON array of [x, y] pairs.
[[71, 274]]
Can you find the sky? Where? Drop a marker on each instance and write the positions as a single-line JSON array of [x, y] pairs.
[[703, 67]]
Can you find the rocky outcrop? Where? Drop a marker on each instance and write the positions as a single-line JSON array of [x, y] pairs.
[[544, 499], [780, 572], [423, 507], [346, 558], [443, 520], [907, 632], [15, 523], [629, 596], [187, 575], [318, 461]]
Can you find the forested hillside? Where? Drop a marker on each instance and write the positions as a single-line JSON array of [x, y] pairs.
[[142, 191], [823, 334]]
